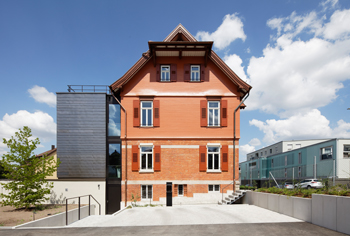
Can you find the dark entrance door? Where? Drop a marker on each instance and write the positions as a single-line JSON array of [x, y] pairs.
[[169, 194], [113, 198]]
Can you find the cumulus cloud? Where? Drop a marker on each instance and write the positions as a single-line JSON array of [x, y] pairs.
[[293, 75], [41, 124], [244, 150], [310, 125], [230, 30], [40, 94], [255, 142], [235, 63]]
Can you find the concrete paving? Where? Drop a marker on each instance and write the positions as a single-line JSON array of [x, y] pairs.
[[186, 215]]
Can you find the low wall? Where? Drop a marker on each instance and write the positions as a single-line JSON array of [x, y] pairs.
[[328, 211], [60, 219]]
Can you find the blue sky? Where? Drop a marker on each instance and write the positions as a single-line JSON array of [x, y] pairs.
[[295, 54]]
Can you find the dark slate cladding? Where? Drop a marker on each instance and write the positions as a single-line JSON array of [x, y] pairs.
[[81, 135]]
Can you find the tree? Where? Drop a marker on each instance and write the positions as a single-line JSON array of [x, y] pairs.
[[28, 186], [2, 171]]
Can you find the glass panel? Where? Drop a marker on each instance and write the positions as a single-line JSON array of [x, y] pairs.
[[347, 148], [217, 187], [149, 191], [146, 149], [210, 117], [146, 104], [180, 187], [213, 149], [210, 161], [210, 187], [214, 104], [114, 160], [143, 161], [143, 191], [114, 120], [149, 161], [216, 161], [216, 115], [149, 120], [144, 117]]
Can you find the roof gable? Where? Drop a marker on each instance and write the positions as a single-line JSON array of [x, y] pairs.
[[181, 34]]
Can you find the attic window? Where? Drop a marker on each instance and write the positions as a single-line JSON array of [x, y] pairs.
[[195, 75], [165, 73]]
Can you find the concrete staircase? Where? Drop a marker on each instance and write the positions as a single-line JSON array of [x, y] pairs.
[[232, 197]]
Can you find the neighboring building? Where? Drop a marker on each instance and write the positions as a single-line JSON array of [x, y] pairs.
[[51, 152], [172, 137], [281, 147], [328, 159]]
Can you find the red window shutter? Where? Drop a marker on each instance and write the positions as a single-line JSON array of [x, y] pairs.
[[158, 73], [173, 72], [135, 158], [156, 115], [203, 113], [157, 158], [136, 113], [224, 113], [185, 190], [202, 158], [187, 70], [224, 159], [202, 73]]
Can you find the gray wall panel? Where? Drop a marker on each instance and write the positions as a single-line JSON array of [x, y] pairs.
[[81, 135]]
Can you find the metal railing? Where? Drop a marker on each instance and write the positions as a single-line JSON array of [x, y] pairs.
[[88, 88], [90, 196], [222, 200]]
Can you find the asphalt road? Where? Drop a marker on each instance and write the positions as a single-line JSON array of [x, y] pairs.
[[268, 229]]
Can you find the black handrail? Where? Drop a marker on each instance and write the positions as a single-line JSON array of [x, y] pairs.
[[90, 196]]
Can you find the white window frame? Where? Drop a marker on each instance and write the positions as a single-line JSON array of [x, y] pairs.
[[213, 109], [147, 110], [147, 192], [322, 150], [289, 147], [147, 156], [213, 188], [212, 153], [178, 190], [197, 72], [164, 79], [345, 152]]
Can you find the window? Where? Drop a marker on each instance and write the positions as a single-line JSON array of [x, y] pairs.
[[285, 172], [299, 171], [326, 153], [276, 148], [300, 160], [289, 147], [285, 160], [114, 161], [257, 155], [297, 146], [146, 191], [271, 162], [213, 113], [180, 190], [146, 153], [113, 120], [213, 158], [265, 153], [261, 154], [270, 150], [146, 113], [214, 188], [195, 75], [346, 153], [165, 73]]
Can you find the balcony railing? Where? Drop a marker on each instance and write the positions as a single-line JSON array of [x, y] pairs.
[[88, 89]]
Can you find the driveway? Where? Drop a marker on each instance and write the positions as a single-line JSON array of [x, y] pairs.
[[186, 215]]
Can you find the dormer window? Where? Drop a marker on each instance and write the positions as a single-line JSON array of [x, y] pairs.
[[165, 73], [195, 75]]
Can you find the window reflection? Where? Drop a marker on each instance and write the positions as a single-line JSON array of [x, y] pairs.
[[114, 120], [114, 161]]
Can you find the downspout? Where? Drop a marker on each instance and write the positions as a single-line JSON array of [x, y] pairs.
[[126, 149], [234, 142]]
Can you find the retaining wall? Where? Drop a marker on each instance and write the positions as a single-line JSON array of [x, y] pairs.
[[328, 211]]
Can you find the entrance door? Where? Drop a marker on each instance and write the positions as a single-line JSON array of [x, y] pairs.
[[113, 198], [169, 194]]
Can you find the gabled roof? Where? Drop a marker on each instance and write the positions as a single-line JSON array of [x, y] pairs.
[[47, 153], [178, 35]]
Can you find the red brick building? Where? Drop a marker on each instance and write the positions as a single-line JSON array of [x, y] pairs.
[[177, 122]]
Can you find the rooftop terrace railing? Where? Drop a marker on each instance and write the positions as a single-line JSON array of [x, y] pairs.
[[88, 89]]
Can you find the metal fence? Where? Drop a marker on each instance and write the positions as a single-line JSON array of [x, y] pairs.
[[88, 89]]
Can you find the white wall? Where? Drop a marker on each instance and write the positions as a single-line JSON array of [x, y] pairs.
[[343, 164]]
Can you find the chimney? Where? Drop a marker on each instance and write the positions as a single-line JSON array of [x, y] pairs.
[[52, 147]]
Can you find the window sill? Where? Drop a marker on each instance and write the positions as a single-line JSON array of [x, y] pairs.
[[214, 126], [144, 126], [213, 171], [165, 81], [146, 171], [195, 81]]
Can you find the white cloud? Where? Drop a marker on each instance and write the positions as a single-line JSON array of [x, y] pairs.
[[40, 94], [230, 30], [41, 124], [235, 63], [311, 125], [296, 76], [339, 25], [244, 150], [255, 142]]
